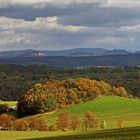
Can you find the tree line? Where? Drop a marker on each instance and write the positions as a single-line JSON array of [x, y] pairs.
[[64, 122]]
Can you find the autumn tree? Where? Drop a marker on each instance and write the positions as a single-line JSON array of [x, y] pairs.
[[90, 120], [6, 121], [61, 97], [20, 125], [121, 91], [63, 122], [75, 122], [37, 124]]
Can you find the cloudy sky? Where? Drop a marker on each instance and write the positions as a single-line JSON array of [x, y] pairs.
[[65, 24]]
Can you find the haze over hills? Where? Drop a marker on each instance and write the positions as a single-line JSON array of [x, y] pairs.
[[70, 52], [116, 52]]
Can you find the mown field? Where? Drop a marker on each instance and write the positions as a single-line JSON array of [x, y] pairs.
[[108, 108]]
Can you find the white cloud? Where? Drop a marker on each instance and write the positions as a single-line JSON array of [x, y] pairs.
[[43, 30], [11, 38], [133, 28], [20, 31], [41, 3], [122, 3], [41, 23], [78, 24]]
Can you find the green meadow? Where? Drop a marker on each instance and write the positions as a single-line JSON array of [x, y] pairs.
[[108, 108]]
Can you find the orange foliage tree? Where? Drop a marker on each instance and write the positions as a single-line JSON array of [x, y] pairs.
[[63, 122], [20, 125], [36, 124], [75, 122], [6, 121], [90, 120]]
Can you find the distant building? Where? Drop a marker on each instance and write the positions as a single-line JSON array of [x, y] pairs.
[[39, 54]]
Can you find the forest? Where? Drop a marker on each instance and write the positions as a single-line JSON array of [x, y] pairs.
[[16, 80]]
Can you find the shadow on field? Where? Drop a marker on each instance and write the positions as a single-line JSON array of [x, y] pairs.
[[115, 134]]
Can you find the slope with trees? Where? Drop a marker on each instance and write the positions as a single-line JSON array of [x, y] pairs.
[[57, 94]]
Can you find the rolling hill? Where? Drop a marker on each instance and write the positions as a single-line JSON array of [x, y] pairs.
[[68, 53], [82, 61], [109, 108]]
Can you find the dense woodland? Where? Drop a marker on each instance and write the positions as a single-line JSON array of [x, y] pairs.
[[16, 80]]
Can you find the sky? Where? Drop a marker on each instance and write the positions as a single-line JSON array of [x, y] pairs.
[[67, 24]]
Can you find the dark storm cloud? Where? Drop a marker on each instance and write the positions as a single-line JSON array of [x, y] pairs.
[[76, 14], [30, 12], [102, 16]]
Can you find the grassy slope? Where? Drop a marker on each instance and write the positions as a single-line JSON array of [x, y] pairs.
[[108, 108]]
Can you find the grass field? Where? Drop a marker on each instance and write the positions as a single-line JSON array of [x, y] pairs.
[[11, 103], [114, 134], [109, 108]]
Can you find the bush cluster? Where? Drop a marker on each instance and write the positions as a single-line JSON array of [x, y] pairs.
[[64, 122], [9, 122]]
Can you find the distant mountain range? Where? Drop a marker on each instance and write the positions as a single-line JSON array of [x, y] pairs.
[[80, 61], [81, 57], [71, 52]]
